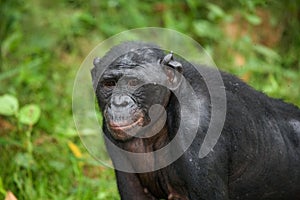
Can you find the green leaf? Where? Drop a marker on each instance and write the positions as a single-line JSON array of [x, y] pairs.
[[57, 165], [102, 195], [267, 52], [253, 19], [8, 105], [2, 190], [25, 160], [29, 114], [206, 29], [215, 12], [12, 42]]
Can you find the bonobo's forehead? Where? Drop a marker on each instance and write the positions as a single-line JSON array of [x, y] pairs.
[[137, 57], [139, 62], [147, 72]]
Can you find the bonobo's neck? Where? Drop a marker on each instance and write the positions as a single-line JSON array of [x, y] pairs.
[[144, 145]]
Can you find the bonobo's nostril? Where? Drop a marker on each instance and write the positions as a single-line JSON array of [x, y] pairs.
[[121, 100]]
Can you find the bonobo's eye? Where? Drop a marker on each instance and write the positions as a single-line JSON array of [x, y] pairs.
[[109, 84], [134, 82]]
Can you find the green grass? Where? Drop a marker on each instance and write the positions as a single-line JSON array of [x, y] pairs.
[[43, 44], [54, 172]]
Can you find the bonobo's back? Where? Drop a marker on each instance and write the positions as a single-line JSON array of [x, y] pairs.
[[264, 135]]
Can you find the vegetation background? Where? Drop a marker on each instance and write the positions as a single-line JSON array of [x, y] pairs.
[[44, 42]]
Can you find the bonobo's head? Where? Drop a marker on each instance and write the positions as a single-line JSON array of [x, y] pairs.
[[130, 81]]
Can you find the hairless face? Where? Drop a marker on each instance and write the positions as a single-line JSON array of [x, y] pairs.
[[132, 84]]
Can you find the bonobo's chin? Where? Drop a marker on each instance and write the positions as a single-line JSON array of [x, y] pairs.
[[125, 132]]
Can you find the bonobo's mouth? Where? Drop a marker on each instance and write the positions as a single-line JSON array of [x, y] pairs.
[[125, 125], [125, 129]]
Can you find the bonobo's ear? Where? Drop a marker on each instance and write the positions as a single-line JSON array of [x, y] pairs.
[[173, 70], [94, 72]]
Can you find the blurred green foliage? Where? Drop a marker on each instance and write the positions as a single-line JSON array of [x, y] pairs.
[[44, 42]]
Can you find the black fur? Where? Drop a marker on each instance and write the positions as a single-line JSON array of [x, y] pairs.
[[257, 155]]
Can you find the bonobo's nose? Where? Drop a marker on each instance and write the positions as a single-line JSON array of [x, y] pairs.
[[120, 100]]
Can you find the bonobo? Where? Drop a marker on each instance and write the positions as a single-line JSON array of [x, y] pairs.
[[257, 155]]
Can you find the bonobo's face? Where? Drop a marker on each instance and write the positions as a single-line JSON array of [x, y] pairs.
[[128, 88]]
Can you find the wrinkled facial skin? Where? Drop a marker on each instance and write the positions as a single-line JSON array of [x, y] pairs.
[[127, 104], [127, 89]]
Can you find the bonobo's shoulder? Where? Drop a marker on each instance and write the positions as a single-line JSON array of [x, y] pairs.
[[235, 85], [232, 82], [196, 71]]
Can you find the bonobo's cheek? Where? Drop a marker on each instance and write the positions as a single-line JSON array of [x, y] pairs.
[[124, 124]]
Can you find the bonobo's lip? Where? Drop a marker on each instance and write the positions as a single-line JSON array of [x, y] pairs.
[[127, 127]]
